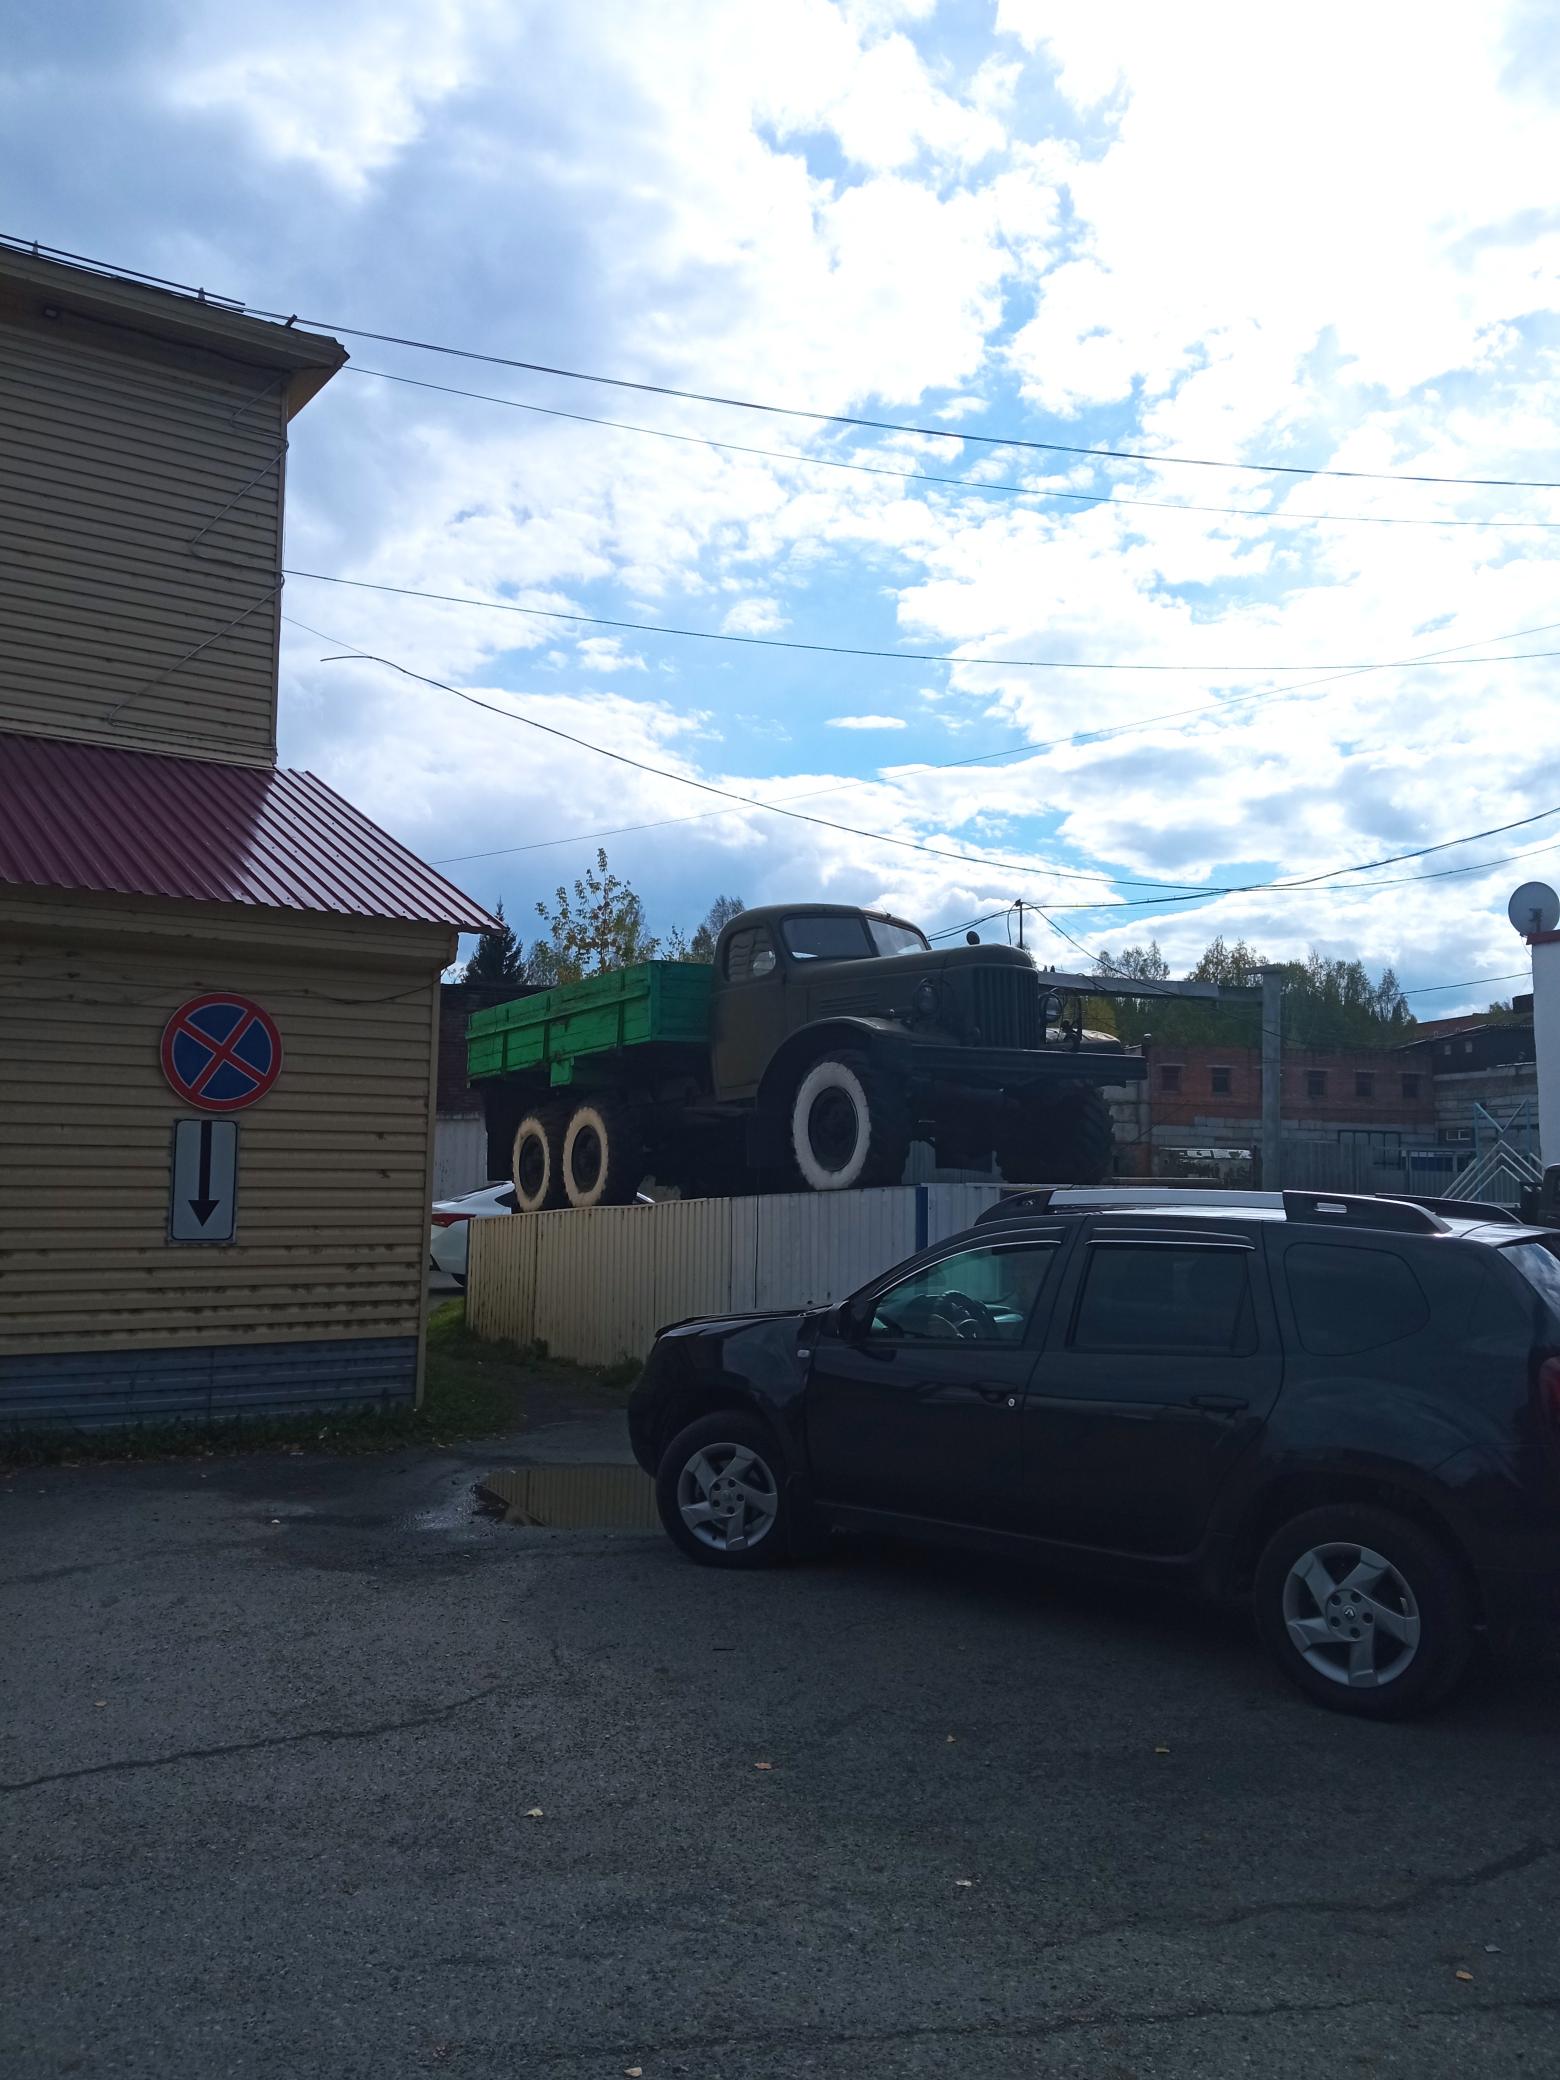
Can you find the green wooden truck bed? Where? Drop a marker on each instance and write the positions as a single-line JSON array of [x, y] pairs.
[[654, 1001]]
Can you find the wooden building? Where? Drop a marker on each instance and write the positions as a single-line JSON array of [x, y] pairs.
[[219, 983]]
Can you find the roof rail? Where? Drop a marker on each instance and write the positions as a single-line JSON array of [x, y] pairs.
[[1361, 1210], [1016, 1204], [1460, 1209]]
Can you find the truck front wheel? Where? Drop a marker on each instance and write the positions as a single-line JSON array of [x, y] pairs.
[[850, 1124], [1067, 1139], [538, 1160], [603, 1158]]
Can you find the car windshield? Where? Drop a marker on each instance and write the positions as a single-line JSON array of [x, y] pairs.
[[826, 938], [889, 937], [1539, 1263]]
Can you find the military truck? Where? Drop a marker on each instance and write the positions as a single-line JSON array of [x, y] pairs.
[[821, 1042]]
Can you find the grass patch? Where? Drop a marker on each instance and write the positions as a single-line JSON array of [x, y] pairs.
[[473, 1389]]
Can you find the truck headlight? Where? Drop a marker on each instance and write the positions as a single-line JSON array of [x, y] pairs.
[[927, 1001], [1051, 1009]]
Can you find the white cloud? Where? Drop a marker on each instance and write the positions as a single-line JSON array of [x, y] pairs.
[[1238, 244]]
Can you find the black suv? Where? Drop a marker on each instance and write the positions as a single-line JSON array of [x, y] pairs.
[[1344, 1409]]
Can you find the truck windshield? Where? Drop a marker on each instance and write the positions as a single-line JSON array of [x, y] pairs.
[[889, 937], [827, 938]]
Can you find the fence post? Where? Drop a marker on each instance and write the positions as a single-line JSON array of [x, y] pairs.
[[1272, 1079]]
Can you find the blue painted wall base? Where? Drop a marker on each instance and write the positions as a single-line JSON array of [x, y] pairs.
[[95, 1390]]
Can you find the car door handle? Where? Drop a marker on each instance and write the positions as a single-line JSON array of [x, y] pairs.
[[997, 1396], [1220, 1404]]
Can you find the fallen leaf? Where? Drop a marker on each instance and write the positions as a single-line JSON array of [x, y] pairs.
[[533, 1813], [1161, 1751], [1465, 1975], [276, 1520], [964, 1881], [763, 1765], [100, 1702], [950, 1740], [633, 2072], [1492, 1949]]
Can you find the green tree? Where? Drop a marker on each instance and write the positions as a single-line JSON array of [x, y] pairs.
[[597, 927], [1327, 1002], [498, 957], [541, 965], [721, 912]]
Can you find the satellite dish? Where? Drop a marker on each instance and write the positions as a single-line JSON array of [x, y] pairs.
[[1534, 908]]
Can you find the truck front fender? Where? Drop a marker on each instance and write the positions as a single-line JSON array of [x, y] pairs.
[[827, 1036]]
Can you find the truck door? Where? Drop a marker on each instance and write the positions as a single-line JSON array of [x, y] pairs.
[[747, 1013], [919, 1410], [1161, 1365]]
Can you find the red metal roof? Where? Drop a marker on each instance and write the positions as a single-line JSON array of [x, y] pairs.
[[85, 816]]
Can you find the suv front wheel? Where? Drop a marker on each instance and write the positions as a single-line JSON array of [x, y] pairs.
[[1365, 1611]]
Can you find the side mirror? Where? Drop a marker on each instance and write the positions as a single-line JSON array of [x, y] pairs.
[[850, 1321]]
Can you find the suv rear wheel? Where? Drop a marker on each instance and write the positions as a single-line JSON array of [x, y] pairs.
[[1365, 1611]]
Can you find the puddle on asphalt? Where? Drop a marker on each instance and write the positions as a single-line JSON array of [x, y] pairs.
[[573, 1498]]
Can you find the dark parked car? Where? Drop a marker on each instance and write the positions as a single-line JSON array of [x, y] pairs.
[[1344, 1409]]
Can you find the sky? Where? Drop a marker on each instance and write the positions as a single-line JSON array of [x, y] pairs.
[[1321, 237]]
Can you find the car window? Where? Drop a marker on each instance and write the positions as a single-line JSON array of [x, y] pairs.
[[750, 955], [1539, 1263], [978, 1296], [826, 938], [1160, 1297], [889, 937], [1348, 1300]]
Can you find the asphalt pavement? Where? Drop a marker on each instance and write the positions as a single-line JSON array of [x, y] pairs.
[[313, 1768]]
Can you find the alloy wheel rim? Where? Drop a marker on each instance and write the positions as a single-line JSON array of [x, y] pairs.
[[728, 1497], [1351, 1615]]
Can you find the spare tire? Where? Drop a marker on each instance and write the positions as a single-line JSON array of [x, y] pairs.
[[1066, 1138], [603, 1157], [537, 1166], [850, 1124]]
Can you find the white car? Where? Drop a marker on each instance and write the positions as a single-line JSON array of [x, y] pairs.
[[449, 1236]]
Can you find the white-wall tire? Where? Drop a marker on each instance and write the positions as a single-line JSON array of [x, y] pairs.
[[535, 1163], [848, 1125], [602, 1158]]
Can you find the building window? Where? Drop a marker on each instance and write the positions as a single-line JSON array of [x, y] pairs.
[[1364, 1083], [1411, 1086], [1316, 1083], [1219, 1079], [1170, 1077]]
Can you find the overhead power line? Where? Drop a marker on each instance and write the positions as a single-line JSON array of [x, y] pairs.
[[1028, 664], [990, 440], [1024, 744], [1186, 894], [972, 485], [1430, 989]]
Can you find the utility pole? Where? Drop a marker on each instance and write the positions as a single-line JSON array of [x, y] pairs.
[[1020, 907], [1272, 1079]]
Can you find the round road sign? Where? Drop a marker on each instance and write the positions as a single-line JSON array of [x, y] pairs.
[[221, 1052]]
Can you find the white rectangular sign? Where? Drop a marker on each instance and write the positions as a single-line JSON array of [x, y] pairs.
[[203, 1183]]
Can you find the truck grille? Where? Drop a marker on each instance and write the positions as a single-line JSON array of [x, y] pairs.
[[1005, 1005]]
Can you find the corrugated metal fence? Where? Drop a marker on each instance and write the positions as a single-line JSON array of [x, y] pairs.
[[595, 1286]]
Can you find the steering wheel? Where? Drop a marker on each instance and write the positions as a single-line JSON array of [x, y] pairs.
[[966, 1317]]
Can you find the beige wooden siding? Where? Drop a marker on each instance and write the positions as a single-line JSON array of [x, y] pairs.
[[140, 532], [332, 1220]]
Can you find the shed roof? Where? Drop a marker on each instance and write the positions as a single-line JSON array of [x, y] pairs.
[[93, 818]]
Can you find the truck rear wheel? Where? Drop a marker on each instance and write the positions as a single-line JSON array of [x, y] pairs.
[[1067, 1139], [850, 1125], [603, 1158], [538, 1160]]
